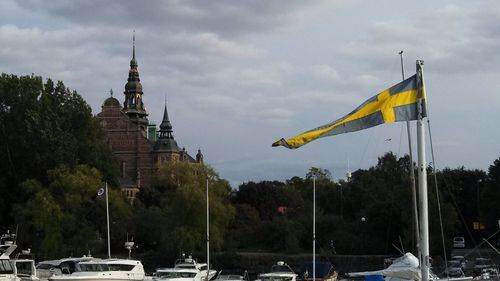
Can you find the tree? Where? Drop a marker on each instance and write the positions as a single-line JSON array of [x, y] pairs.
[[66, 217], [320, 173], [180, 204], [489, 198], [42, 126]]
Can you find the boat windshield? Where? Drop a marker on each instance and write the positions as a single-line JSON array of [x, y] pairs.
[[97, 267], [6, 267], [175, 274], [186, 266], [230, 277], [276, 278], [24, 267], [281, 268]]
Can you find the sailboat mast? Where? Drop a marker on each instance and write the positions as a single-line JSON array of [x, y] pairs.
[[422, 174], [208, 236], [412, 175], [107, 220], [314, 227]]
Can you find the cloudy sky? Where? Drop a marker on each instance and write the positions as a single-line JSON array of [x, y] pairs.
[[238, 75]]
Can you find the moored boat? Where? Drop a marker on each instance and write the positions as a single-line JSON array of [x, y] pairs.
[[279, 272], [105, 270], [46, 269], [25, 266], [187, 269], [324, 272], [7, 266]]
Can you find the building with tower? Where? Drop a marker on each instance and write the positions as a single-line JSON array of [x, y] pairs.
[[136, 143]]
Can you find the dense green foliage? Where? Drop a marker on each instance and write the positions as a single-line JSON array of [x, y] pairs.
[[171, 214], [56, 158], [55, 155]]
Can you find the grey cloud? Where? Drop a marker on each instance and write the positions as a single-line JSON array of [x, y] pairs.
[[226, 17], [456, 39]]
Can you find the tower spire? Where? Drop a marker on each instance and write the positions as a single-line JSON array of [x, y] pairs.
[[165, 126], [133, 62], [133, 105]]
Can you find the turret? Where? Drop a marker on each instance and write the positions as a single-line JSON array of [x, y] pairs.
[[133, 105], [199, 157]]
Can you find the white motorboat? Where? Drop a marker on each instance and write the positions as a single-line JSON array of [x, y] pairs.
[[25, 266], [178, 274], [190, 263], [279, 272], [232, 275], [104, 270], [46, 269], [186, 269], [7, 267]]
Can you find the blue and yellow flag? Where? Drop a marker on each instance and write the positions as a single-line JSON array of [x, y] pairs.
[[398, 103]]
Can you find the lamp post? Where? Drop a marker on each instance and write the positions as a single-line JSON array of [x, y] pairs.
[[363, 230], [100, 193]]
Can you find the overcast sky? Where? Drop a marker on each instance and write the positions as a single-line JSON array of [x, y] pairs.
[[238, 75]]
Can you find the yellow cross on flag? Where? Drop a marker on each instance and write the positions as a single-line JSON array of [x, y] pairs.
[[397, 103]]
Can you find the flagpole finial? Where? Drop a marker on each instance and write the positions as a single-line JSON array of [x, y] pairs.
[[133, 45]]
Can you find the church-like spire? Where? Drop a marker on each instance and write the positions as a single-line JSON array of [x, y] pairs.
[[199, 156], [133, 105], [133, 62], [165, 126], [166, 142]]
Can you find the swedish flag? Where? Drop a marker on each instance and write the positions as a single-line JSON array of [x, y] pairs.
[[397, 103]]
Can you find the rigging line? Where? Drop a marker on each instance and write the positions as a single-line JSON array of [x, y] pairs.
[[434, 167], [454, 201], [484, 241], [489, 244], [462, 219]]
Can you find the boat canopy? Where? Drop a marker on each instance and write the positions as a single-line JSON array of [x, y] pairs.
[[405, 267]]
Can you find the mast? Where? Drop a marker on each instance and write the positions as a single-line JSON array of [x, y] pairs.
[[412, 175], [107, 220], [314, 227], [208, 237], [422, 174]]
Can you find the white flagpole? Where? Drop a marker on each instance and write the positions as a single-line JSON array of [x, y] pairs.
[[208, 237], [422, 175], [107, 220], [314, 227]]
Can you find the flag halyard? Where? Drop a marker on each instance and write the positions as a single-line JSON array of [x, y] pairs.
[[397, 103]]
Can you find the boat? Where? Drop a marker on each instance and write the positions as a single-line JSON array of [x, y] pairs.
[[25, 266], [232, 275], [187, 269], [46, 269], [104, 270], [405, 268], [190, 263], [7, 265], [279, 272], [324, 271]]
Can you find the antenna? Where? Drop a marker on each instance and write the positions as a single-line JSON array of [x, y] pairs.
[[129, 245], [348, 174]]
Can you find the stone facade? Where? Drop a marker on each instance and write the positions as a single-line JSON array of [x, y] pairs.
[[127, 134]]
